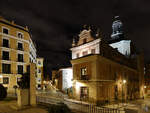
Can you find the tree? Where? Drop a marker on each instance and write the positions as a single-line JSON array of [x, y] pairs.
[[3, 92], [24, 82]]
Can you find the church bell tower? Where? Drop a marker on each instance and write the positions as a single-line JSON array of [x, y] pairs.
[[118, 41], [117, 28]]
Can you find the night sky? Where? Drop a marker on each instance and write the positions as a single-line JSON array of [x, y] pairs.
[[53, 23]]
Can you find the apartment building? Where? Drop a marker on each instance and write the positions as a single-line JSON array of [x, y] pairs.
[[16, 52], [40, 73], [62, 78]]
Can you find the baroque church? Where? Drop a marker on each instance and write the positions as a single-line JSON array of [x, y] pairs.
[[106, 70]]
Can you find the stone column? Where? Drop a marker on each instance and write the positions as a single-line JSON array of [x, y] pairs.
[[32, 84], [23, 97]]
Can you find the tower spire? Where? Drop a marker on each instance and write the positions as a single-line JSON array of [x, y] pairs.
[[117, 31]]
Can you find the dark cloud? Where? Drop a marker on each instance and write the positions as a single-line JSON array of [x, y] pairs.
[[54, 23]]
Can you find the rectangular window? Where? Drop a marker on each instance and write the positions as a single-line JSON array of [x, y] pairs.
[[20, 69], [84, 53], [20, 57], [83, 71], [93, 51], [5, 43], [20, 46], [5, 55], [84, 75], [84, 93], [5, 30], [5, 80], [6, 68]]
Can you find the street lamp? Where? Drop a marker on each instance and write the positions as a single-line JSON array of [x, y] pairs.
[[123, 82], [1, 76]]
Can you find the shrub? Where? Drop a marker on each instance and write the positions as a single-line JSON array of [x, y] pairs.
[[60, 108], [24, 82], [3, 92]]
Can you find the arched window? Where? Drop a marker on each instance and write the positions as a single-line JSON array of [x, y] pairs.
[[20, 35]]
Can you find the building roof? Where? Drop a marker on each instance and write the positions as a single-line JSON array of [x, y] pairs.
[[4, 21]]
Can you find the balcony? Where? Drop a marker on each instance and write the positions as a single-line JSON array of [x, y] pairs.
[[84, 77]]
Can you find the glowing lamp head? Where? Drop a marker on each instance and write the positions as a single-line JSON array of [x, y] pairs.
[[124, 81], [144, 86], [1, 76], [78, 85]]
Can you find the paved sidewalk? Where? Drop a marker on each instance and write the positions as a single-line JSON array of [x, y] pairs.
[[11, 107], [137, 106]]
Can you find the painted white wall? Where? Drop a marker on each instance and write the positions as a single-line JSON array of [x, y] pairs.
[[122, 46], [67, 76], [86, 47]]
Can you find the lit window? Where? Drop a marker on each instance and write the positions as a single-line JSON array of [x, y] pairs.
[[20, 35], [5, 80], [84, 93], [5, 43], [5, 30], [83, 71]]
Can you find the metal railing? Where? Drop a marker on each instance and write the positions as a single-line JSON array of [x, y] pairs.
[[85, 108], [48, 100], [84, 77], [94, 109]]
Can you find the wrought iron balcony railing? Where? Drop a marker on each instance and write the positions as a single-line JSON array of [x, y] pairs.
[[84, 77]]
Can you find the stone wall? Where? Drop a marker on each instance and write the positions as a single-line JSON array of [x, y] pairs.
[[104, 75], [23, 97]]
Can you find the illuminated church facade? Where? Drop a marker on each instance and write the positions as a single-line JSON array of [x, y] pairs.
[[106, 70]]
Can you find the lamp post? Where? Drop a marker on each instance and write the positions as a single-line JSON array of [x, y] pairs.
[[145, 91], [123, 82], [15, 87]]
